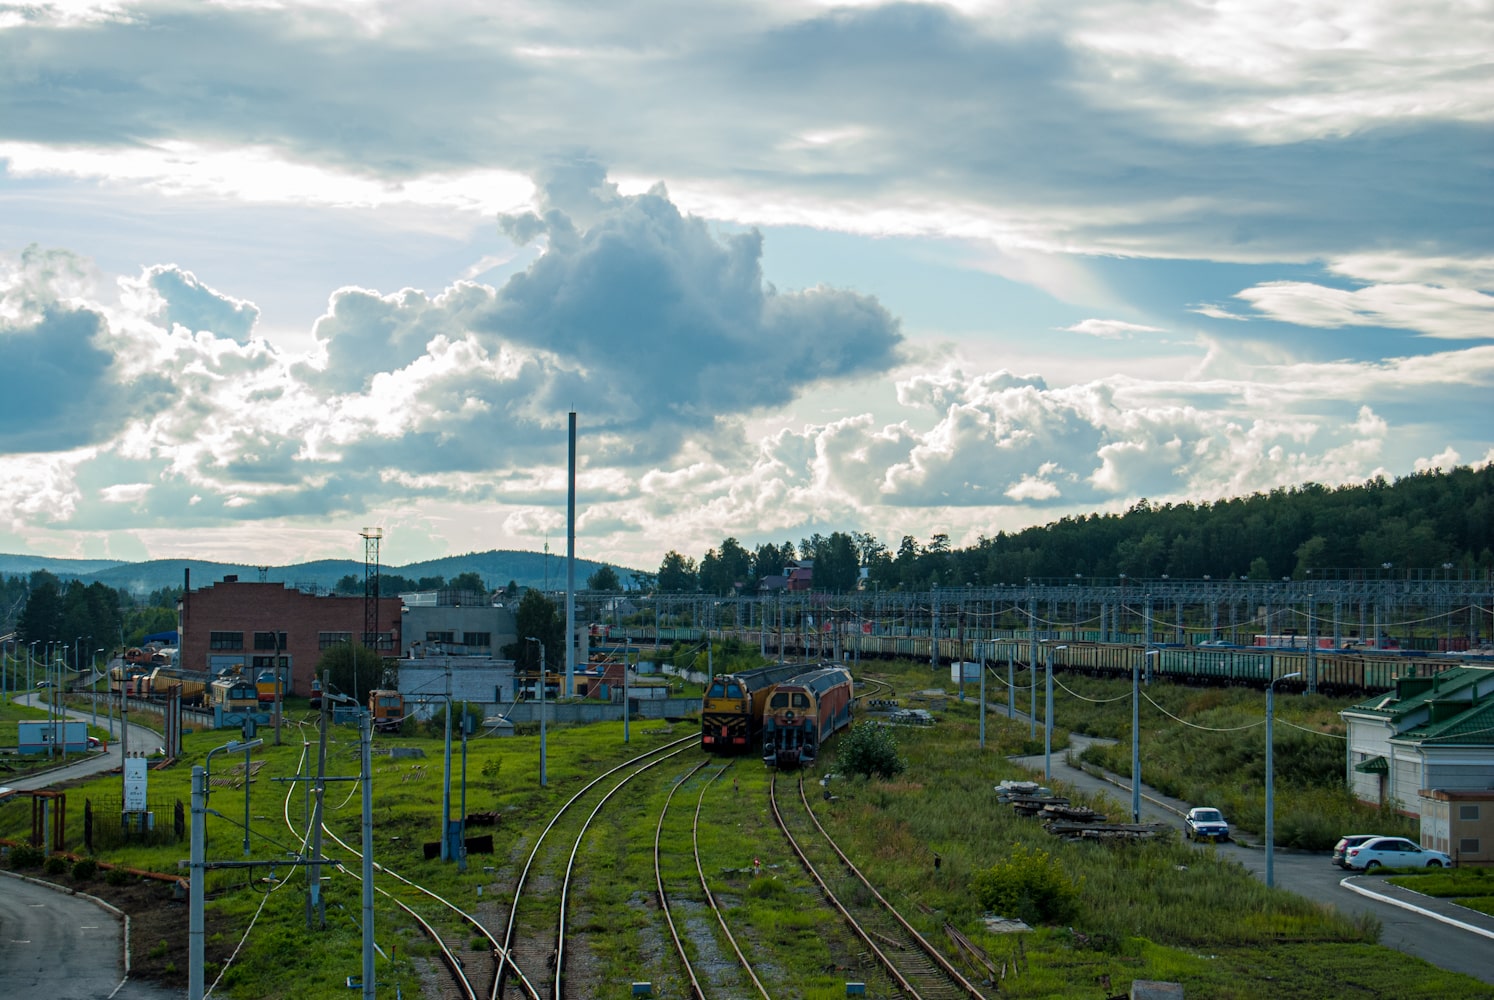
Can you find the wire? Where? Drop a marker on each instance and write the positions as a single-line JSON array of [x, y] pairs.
[[1092, 701], [1315, 732], [1207, 729]]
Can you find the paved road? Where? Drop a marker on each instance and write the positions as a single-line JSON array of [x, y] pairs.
[[1448, 936], [56, 945], [142, 738]]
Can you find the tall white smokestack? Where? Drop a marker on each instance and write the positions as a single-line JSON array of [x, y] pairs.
[[570, 566]]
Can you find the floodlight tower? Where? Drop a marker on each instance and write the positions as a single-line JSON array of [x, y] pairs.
[[371, 537]]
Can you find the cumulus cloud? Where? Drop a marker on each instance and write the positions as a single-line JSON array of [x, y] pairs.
[[187, 302], [1445, 460], [682, 317], [1053, 151], [58, 392]]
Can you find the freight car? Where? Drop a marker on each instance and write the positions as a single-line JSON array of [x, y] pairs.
[[192, 684], [731, 713], [803, 712], [130, 680]]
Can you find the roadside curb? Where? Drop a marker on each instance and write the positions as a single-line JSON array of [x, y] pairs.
[[108, 907], [1368, 893]]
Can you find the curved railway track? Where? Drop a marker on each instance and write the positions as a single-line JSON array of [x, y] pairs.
[[542, 943], [471, 973], [868, 688], [916, 967]]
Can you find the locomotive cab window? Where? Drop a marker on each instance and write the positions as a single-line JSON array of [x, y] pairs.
[[780, 700], [734, 691], [800, 700], [718, 690]]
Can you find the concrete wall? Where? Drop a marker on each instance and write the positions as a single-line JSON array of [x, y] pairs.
[[462, 622], [478, 679]]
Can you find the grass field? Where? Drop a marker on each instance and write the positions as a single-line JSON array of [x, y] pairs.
[[1146, 911]]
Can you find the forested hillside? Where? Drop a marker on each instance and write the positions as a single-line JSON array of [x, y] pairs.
[[1417, 523], [1435, 522]]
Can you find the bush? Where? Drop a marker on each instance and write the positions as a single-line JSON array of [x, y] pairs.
[[870, 751], [1030, 886], [116, 876], [26, 856], [85, 869], [55, 866]]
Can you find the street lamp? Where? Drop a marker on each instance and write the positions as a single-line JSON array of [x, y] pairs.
[[94, 685], [542, 707], [231, 746], [1271, 777], [1048, 718]]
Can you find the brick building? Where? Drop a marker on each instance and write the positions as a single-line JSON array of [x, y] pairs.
[[254, 626]]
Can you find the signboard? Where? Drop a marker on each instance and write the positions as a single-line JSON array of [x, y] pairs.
[[134, 784]]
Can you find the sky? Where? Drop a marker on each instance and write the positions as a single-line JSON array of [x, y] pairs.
[[275, 272]]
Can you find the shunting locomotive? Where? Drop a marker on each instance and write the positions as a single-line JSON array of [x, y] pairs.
[[731, 713]]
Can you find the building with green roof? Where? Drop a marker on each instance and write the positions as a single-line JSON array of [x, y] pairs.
[[1432, 731]]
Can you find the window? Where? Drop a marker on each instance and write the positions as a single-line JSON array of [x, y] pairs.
[[1468, 845], [478, 638], [226, 640], [268, 662], [326, 640], [269, 640], [801, 700], [779, 700], [718, 690], [378, 640], [446, 637], [1468, 812]]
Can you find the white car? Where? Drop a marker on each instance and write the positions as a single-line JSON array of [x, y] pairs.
[[1205, 824], [1393, 852]]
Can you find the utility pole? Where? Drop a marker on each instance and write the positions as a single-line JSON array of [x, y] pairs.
[[314, 901], [446, 776], [365, 734]]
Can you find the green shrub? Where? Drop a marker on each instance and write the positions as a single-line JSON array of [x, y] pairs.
[[1030, 886], [116, 876], [870, 751], [85, 869], [26, 856], [55, 866]]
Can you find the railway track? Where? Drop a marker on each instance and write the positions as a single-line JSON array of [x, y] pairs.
[[917, 969], [543, 890], [870, 689], [697, 990]]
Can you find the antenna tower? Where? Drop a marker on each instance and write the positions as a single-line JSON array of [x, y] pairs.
[[371, 537]]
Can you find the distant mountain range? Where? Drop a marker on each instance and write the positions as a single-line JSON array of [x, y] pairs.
[[496, 567]]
